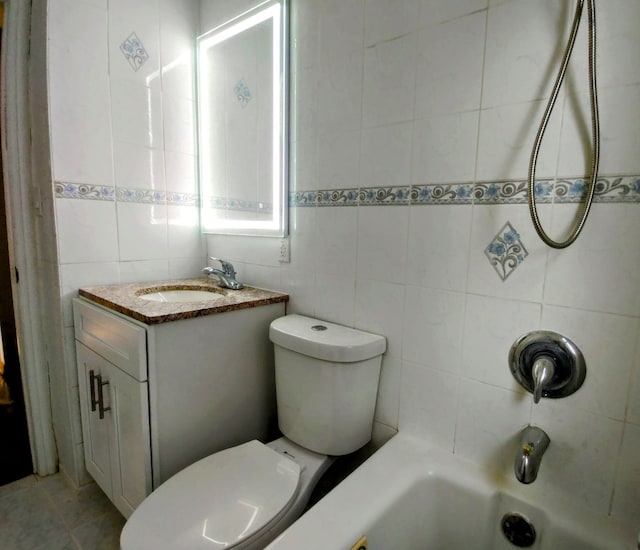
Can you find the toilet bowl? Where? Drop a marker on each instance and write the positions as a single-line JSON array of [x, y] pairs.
[[245, 496]]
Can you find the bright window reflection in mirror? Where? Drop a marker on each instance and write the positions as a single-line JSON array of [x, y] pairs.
[[242, 123]]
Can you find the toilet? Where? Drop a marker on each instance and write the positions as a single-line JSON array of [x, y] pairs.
[[245, 496]]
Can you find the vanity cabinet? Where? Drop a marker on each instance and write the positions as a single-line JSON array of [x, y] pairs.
[[156, 398]]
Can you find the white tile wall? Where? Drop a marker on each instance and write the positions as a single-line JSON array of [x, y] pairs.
[[444, 148], [390, 93], [382, 244], [453, 83], [438, 247], [626, 497], [491, 326], [428, 403], [506, 138], [138, 166], [385, 156], [337, 159], [108, 119], [452, 91], [115, 126], [79, 241]]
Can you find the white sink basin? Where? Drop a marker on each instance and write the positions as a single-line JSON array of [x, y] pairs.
[[181, 295]]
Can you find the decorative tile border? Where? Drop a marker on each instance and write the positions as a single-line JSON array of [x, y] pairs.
[[83, 191], [454, 193], [612, 189], [384, 195], [239, 205], [511, 192], [66, 190], [182, 199], [303, 198], [141, 196], [338, 197]]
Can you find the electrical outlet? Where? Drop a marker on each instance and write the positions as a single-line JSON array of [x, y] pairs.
[[285, 256]]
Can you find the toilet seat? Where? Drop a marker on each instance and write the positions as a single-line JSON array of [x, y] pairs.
[[258, 485]]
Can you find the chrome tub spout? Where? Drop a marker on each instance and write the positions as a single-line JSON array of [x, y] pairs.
[[533, 444]]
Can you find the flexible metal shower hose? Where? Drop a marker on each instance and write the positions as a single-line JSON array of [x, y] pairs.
[[595, 130]]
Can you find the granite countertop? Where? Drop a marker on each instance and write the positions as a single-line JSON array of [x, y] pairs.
[[126, 299]]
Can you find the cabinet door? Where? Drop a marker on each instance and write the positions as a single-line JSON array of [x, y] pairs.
[[117, 447], [95, 431], [131, 446]]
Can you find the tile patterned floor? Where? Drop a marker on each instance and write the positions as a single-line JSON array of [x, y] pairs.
[[45, 513]]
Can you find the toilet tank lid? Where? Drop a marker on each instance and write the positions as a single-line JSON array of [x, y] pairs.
[[325, 341]]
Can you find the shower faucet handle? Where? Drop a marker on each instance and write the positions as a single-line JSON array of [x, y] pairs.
[[547, 364], [543, 370]]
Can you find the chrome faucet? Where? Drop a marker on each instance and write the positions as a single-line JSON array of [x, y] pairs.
[[226, 276], [533, 444]]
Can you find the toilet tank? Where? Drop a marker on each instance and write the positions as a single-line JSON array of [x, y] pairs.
[[326, 383]]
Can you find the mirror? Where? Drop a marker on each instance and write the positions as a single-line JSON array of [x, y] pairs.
[[242, 123]]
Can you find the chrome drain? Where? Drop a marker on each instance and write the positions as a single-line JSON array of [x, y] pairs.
[[518, 530]]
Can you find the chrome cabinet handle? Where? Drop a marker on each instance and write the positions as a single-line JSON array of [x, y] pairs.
[[92, 379], [101, 407]]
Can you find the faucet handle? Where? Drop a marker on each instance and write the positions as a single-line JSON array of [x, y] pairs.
[[547, 364], [542, 371], [227, 267]]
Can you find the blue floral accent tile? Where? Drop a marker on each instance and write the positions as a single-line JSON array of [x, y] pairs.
[[338, 197], [543, 191], [383, 195], [64, 190], [608, 189], [141, 196], [239, 205], [216, 202], [511, 192], [134, 51], [242, 92], [571, 190], [506, 252], [450, 193], [303, 198], [182, 199]]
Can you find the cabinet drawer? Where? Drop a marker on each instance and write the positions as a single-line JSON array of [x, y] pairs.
[[117, 340]]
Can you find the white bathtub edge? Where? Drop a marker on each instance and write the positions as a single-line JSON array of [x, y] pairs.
[[346, 513]]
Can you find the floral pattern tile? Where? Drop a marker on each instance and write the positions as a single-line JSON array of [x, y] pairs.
[[383, 195], [615, 189], [134, 51], [453, 193], [64, 190], [511, 192], [303, 198], [142, 196], [338, 197], [608, 189], [182, 199], [239, 205], [506, 251], [242, 92]]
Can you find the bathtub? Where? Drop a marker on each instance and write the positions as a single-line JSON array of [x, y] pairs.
[[410, 496]]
